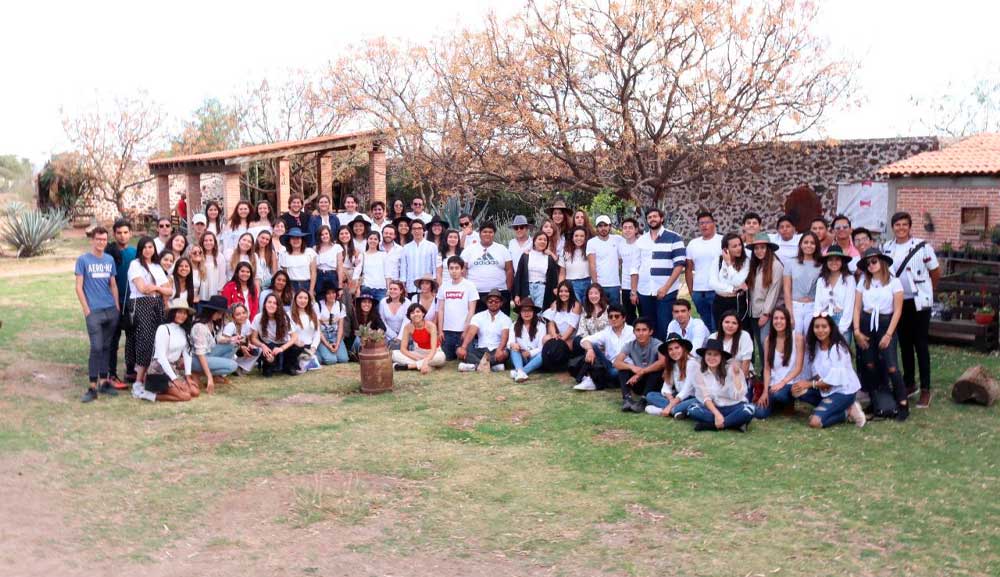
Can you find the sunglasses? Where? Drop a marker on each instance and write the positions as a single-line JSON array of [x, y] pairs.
[[465, 224], [163, 226], [519, 227], [615, 316], [871, 261]]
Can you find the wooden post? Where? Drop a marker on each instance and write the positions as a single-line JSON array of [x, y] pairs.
[[284, 184], [324, 174], [376, 175], [163, 195], [194, 195]]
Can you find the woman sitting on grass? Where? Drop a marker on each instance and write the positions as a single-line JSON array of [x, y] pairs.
[[212, 357], [526, 340], [835, 384], [274, 335], [426, 353], [237, 334], [168, 378], [307, 331], [677, 394], [332, 349], [783, 363], [737, 341], [721, 391]]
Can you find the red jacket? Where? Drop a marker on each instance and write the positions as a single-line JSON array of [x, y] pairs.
[[234, 295]]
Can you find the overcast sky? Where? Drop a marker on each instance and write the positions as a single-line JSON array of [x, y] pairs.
[[68, 55]]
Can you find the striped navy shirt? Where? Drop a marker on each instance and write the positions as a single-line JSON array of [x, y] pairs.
[[657, 259]]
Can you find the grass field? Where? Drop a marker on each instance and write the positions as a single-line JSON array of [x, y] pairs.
[[463, 475]]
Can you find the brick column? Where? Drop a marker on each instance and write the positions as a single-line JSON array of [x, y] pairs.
[[376, 175], [284, 184], [230, 191], [324, 174], [194, 195], [163, 195]]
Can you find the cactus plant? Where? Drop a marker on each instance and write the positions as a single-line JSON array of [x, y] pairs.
[[29, 232]]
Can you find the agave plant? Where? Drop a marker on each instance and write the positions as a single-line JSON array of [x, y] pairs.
[[455, 206], [30, 231], [504, 233]]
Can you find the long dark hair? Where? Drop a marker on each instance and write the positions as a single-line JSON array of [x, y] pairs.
[[286, 293], [668, 369], [255, 217], [788, 334], [349, 251], [218, 219], [372, 319], [734, 347], [532, 328], [280, 318], [171, 317], [767, 276], [836, 338], [251, 286], [309, 310], [170, 244], [719, 371], [443, 245], [205, 316], [589, 308], [188, 282], [739, 261], [570, 249], [570, 303], [271, 256], [819, 250], [140, 246], [825, 273], [234, 217]]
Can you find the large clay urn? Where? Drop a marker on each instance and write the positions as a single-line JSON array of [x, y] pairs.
[[376, 368]]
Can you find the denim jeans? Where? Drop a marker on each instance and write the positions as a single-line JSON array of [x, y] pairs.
[[328, 357], [450, 341], [533, 364], [658, 400], [782, 398], [298, 285], [537, 292], [325, 279], [220, 359], [614, 294], [734, 415], [659, 311], [831, 409], [703, 304], [580, 286], [600, 357], [101, 326]]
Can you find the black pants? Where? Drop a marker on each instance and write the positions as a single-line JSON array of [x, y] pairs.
[[116, 339], [914, 328], [286, 362], [880, 367], [631, 310], [645, 384], [720, 306], [504, 306]]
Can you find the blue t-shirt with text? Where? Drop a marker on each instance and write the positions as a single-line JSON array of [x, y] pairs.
[[97, 273]]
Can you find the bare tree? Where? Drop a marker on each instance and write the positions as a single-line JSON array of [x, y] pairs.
[[962, 113], [114, 145]]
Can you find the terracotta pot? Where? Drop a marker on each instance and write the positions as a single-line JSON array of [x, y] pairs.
[[376, 369], [984, 318]]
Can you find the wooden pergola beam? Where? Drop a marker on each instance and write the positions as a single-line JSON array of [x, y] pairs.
[[316, 148]]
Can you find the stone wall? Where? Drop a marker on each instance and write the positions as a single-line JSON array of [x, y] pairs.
[[144, 201], [760, 181]]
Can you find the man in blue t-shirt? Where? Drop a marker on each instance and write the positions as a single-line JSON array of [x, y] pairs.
[[123, 255], [97, 290]]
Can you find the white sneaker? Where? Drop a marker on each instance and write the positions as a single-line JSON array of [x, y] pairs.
[[513, 375], [521, 377], [653, 410], [466, 368], [586, 384], [137, 389], [497, 368], [857, 415]]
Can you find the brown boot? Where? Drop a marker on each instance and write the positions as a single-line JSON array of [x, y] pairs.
[[925, 399]]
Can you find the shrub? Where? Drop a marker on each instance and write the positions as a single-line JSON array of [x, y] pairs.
[[29, 232]]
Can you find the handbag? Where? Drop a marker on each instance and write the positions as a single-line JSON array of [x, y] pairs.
[[126, 321]]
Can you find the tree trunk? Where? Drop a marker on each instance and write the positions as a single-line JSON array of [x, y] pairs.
[[975, 385]]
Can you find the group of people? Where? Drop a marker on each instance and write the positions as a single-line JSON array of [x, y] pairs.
[[771, 319]]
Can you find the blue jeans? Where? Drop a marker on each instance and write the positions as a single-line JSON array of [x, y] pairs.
[[533, 364], [537, 292], [325, 279], [614, 294], [101, 326], [831, 409], [328, 357], [703, 304], [659, 312], [735, 415], [782, 398], [379, 294], [658, 400], [220, 359], [580, 286], [298, 285], [450, 341]]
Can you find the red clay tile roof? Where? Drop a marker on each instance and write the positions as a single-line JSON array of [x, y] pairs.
[[978, 154], [291, 145]]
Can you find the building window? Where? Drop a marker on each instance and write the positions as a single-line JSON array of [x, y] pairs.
[[974, 219]]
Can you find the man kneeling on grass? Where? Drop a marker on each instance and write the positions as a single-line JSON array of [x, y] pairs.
[[493, 329], [640, 367]]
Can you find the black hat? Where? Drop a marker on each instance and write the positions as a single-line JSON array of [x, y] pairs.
[[438, 220], [214, 303], [877, 253], [836, 252], [675, 338], [400, 219], [714, 345], [360, 219], [366, 295]]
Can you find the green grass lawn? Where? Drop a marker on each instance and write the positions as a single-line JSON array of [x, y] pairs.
[[477, 467]]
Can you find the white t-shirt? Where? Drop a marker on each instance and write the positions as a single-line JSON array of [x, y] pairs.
[[268, 333], [516, 250], [629, 254], [156, 276], [490, 328], [704, 254], [297, 265], [373, 270], [878, 297], [457, 297], [787, 249], [538, 267], [606, 254], [424, 216], [577, 268], [308, 332], [487, 266], [745, 352], [327, 260]]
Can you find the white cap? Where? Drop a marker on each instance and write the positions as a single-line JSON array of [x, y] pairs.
[[199, 219], [603, 219]]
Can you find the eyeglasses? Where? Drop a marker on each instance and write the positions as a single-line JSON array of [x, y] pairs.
[[465, 224], [163, 226]]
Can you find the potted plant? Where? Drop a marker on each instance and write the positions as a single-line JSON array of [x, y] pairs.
[[375, 361], [985, 314], [946, 249], [948, 302]]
